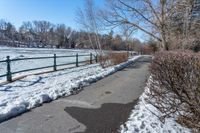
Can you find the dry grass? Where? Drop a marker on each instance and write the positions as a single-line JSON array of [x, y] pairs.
[[117, 58]]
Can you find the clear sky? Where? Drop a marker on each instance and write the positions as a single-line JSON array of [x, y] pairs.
[[55, 11]]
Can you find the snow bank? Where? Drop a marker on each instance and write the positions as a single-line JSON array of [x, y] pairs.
[[144, 120], [25, 94]]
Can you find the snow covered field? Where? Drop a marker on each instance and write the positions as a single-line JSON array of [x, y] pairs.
[[142, 120], [16, 53], [25, 94]]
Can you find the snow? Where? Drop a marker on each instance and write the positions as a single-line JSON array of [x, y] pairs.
[[27, 93], [143, 119]]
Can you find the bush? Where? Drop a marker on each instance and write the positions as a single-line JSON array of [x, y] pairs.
[[113, 59], [117, 58], [175, 86]]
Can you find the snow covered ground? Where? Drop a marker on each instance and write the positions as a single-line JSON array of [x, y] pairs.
[[142, 120], [25, 94], [16, 53]]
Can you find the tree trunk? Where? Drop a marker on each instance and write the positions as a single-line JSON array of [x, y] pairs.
[[164, 43]]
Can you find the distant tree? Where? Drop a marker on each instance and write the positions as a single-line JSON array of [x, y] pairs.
[[62, 35], [136, 43], [42, 28], [117, 42], [46, 34], [109, 39], [7, 30], [153, 45], [2, 29], [27, 34]]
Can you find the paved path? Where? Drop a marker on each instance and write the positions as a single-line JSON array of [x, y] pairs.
[[99, 108]]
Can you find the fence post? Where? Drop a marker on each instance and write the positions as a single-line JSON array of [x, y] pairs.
[[54, 64], [96, 59], [90, 58], [9, 74], [77, 60]]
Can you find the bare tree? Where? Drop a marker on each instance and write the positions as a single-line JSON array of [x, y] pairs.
[[7, 30], [87, 19], [42, 28], [183, 24], [63, 34], [81, 19], [2, 29], [26, 33], [149, 16]]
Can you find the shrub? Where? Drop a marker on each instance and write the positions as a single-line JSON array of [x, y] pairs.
[[117, 58], [112, 58], [175, 86]]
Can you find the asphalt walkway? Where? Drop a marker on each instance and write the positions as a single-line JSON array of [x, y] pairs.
[[99, 108]]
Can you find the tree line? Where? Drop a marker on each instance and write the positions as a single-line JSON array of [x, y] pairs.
[[45, 34], [169, 24]]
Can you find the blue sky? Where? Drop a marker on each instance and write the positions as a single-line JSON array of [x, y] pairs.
[[55, 11]]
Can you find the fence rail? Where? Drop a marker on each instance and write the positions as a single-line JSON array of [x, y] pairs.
[[8, 74]]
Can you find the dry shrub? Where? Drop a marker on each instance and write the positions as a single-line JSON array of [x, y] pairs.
[[175, 86], [117, 58], [103, 60], [112, 59]]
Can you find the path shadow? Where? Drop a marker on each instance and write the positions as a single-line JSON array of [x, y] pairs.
[[68, 72], [106, 119], [8, 87]]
